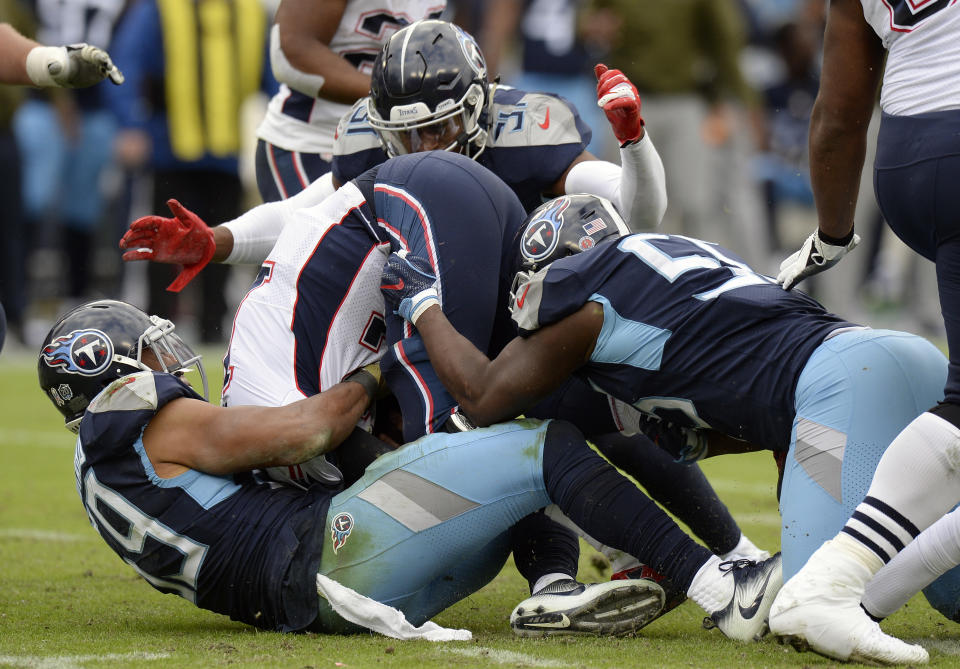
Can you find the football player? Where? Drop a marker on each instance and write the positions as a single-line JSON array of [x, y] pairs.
[[321, 52], [547, 156], [176, 471], [705, 354], [905, 47]]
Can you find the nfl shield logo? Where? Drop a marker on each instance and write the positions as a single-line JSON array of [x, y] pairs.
[[340, 529]]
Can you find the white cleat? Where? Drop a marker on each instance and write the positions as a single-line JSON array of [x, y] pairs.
[[755, 585], [819, 610], [569, 607]]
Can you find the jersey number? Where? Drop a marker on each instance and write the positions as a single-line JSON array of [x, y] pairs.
[[139, 527], [706, 257], [905, 15]]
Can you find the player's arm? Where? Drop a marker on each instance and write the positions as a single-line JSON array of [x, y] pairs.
[[487, 390], [28, 63], [301, 57], [852, 71], [185, 239], [638, 185], [526, 370], [224, 440]]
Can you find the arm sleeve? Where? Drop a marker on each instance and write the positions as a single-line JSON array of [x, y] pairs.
[[256, 231], [638, 187]]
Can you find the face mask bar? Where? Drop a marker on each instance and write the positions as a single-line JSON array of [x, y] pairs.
[[173, 354], [460, 132]]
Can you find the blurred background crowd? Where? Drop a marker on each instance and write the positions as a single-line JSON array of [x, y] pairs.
[[726, 85]]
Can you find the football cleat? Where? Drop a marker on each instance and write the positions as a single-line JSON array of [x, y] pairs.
[[819, 610], [673, 596], [755, 586], [569, 607]]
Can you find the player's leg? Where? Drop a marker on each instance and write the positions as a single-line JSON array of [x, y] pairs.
[[461, 218], [512, 476], [440, 535], [282, 173], [857, 392]]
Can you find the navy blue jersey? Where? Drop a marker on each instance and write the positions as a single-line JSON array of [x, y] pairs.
[[690, 332], [228, 544], [533, 138]]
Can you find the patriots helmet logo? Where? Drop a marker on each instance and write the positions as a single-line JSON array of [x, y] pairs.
[[340, 529], [542, 233], [86, 352]]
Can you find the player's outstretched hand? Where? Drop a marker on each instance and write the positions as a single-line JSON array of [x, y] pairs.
[[184, 240], [71, 66], [814, 256], [409, 285], [620, 101]]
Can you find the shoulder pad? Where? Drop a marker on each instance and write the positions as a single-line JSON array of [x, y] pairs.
[[134, 392], [525, 302], [533, 119], [354, 133]]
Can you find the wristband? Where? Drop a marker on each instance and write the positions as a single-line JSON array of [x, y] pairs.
[[834, 241], [365, 379]]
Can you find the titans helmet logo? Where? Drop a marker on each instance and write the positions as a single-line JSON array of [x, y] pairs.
[[472, 52], [542, 233], [86, 352]]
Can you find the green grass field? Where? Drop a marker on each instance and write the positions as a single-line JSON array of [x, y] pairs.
[[66, 600]]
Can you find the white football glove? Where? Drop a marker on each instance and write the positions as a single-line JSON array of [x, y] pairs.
[[813, 257], [71, 66]]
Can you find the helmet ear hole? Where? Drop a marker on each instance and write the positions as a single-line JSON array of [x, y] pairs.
[[566, 226]]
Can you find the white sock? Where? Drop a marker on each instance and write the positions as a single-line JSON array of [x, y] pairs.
[[745, 549], [935, 551], [916, 482], [547, 579], [709, 588]]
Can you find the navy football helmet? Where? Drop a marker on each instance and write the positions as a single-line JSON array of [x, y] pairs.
[[101, 341], [567, 225], [428, 90]]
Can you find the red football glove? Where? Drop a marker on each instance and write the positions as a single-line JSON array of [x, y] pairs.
[[185, 240], [620, 102]]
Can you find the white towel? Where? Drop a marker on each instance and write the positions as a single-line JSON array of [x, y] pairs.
[[386, 620]]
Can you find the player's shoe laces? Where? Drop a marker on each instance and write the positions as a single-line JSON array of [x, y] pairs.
[[755, 585], [819, 610], [569, 607]]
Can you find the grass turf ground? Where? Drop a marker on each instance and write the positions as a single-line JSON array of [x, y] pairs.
[[66, 600]]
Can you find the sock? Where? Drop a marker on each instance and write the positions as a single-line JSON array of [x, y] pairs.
[[546, 580], [745, 549], [916, 482], [542, 547], [935, 551], [619, 561], [608, 506], [683, 490]]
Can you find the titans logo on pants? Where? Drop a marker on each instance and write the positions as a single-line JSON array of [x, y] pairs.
[[340, 529], [87, 352]]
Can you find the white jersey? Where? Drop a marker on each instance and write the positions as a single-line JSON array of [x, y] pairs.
[[923, 44], [297, 122], [315, 312]]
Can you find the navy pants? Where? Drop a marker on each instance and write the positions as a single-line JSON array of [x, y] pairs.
[[916, 173]]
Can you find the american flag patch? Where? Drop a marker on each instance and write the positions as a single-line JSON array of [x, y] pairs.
[[594, 226]]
